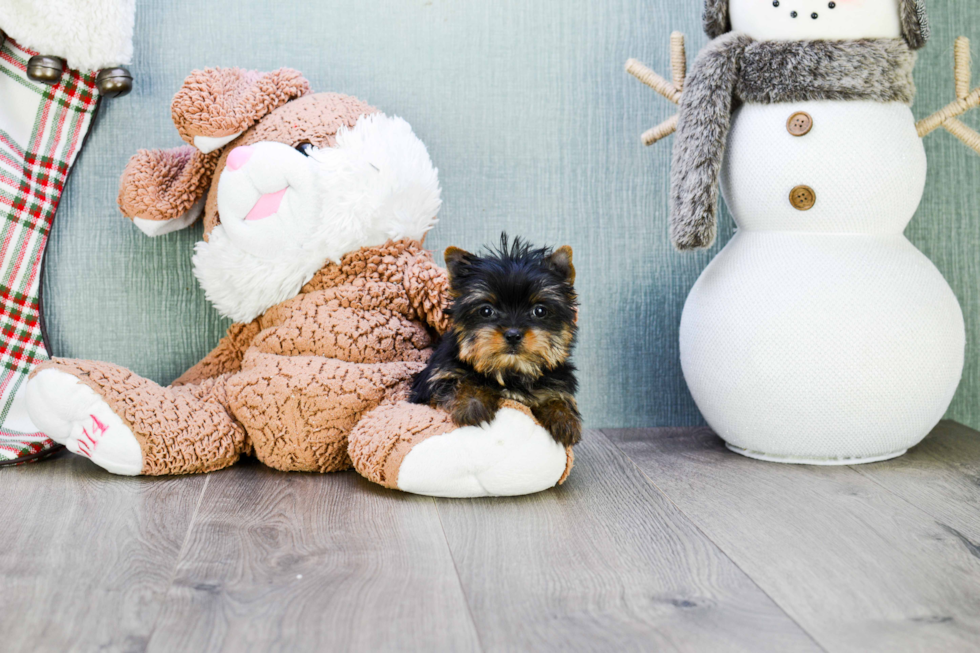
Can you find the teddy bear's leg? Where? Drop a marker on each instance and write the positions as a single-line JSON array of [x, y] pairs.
[[73, 414], [419, 449], [299, 410], [130, 425]]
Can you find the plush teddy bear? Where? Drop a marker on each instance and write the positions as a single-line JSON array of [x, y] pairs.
[[314, 207]]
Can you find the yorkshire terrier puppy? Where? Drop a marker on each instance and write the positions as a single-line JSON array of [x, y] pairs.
[[513, 328]]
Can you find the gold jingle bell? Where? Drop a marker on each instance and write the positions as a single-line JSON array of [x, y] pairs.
[[45, 69], [114, 82]]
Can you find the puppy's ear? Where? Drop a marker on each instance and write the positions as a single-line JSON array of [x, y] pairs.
[[456, 260], [561, 261], [215, 105]]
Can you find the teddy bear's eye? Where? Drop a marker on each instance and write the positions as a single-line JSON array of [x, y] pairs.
[[306, 148]]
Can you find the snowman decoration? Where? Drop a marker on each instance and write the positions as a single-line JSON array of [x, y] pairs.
[[819, 334]]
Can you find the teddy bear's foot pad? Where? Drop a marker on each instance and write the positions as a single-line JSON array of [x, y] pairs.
[[71, 413], [511, 456]]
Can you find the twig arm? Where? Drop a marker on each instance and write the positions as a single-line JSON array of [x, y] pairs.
[[661, 131], [678, 60], [669, 89], [653, 80], [964, 67], [965, 99], [968, 136]]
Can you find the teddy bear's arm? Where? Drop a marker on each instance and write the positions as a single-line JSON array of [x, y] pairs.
[[427, 286], [226, 358]]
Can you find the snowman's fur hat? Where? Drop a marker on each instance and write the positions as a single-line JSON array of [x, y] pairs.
[[915, 21]]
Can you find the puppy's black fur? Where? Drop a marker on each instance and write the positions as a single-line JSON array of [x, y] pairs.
[[513, 311]]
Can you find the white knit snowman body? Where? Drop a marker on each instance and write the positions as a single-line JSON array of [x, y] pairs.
[[820, 334]]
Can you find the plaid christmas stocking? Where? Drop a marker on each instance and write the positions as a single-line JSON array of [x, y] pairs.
[[41, 131]]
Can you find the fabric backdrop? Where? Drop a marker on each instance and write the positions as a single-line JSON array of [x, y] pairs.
[[535, 128]]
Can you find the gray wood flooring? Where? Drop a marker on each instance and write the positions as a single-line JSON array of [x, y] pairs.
[[660, 540]]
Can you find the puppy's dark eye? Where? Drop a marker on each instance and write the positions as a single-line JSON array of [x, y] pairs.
[[487, 311], [306, 148], [539, 311]]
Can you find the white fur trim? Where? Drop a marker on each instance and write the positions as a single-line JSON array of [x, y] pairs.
[[377, 184], [208, 144], [154, 228], [511, 456], [89, 35], [74, 415]]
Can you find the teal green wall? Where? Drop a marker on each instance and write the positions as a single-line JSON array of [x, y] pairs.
[[534, 126]]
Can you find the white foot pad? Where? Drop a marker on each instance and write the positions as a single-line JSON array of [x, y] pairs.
[[73, 414], [511, 456]]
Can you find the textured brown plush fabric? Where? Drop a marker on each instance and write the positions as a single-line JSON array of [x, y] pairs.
[[224, 101], [569, 463], [180, 430], [226, 358], [298, 410], [380, 441], [165, 184], [296, 381]]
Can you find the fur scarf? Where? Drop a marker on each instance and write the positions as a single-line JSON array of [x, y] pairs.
[[735, 68]]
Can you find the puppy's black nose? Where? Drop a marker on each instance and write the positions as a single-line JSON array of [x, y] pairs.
[[513, 336]]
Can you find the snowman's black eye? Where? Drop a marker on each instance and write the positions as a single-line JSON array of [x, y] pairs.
[[814, 15], [794, 15], [306, 148], [775, 3], [833, 5]]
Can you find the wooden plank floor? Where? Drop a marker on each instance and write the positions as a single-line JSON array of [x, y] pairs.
[[660, 540]]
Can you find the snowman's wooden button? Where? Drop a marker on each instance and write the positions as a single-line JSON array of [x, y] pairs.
[[800, 123], [802, 198]]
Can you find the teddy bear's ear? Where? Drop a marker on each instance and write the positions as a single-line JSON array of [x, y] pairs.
[[215, 105], [164, 190]]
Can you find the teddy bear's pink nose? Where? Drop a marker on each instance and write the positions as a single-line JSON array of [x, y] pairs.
[[239, 157]]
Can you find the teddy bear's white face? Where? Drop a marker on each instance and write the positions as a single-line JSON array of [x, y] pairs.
[[816, 20], [286, 212]]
